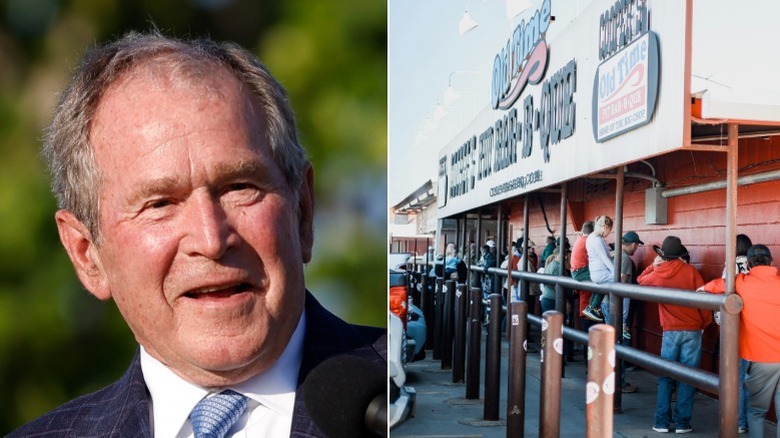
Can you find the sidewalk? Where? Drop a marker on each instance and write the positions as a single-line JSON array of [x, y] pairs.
[[442, 409]]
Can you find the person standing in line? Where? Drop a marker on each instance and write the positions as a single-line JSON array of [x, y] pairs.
[[487, 261], [473, 259], [600, 264], [759, 339], [630, 243], [743, 244], [552, 267], [549, 247], [682, 331], [454, 268]]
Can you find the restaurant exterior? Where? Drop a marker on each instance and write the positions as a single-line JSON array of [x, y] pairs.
[[612, 119]]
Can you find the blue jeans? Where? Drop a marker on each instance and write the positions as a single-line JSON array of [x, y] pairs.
[[608, 316], [743, 396], [547, 304], [684, 347]]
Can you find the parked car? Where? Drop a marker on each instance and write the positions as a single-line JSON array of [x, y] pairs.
[[398, 260], [411, 316], [402, 398]]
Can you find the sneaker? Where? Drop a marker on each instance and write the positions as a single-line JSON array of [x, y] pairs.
[[626, 332], [685, 429], [742, 429], [629, 388], [593, 314], [662, 429]]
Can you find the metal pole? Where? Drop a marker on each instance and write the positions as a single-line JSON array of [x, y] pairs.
[[552, 364], [493, 360], [729, 328], [475, 344], [438, 318], [466, 249], [616, 302], [427, 303], [515, 409], [446, 350], [524, 283], [560, 304], [459, 350], [497, 284], [601, 380], [480, 242], [560, 295], [755, 178]]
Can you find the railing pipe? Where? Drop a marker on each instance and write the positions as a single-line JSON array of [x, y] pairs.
[[475, 344], [600, 389], [680, 297], [459, 348], [693, 376], [438, 319], [515, 409], [616, 302], [552, 363], [427, 307], [493, 360], [728, 394], [447, 333]]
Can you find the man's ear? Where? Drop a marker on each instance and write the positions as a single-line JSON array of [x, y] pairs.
[[81, 249], [306, 217]]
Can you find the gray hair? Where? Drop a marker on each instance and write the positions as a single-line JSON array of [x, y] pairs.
[[76, 178]]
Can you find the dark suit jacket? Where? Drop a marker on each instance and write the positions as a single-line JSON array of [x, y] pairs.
[[122, 409]]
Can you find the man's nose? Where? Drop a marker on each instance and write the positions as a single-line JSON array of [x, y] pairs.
[[210, 232]]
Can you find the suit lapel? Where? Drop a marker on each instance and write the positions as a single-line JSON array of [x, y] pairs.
[[326, 336]]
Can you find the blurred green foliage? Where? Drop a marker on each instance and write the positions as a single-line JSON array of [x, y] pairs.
[[56, 341]]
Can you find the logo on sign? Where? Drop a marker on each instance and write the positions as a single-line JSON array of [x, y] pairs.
[[523, 61], [625, 87]]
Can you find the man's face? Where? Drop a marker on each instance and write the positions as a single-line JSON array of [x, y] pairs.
[[630, 248], [201, 245]]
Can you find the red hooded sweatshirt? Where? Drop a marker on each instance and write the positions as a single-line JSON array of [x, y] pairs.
[[677, 274]]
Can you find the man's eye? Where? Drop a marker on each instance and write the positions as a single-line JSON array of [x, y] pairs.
[[160, 203], [238, 186]]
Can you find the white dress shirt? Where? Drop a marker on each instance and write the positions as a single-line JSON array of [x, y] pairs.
[[271, 396]]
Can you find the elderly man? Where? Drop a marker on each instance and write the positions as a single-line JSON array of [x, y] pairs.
[[682, 331], [186, 198], [759, 339]]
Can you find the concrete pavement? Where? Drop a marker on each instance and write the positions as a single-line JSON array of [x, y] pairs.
[[442, 411]]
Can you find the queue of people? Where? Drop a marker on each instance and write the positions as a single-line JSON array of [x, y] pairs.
[[591, 259]]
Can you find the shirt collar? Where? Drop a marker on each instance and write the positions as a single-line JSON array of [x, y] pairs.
[[172, 397]]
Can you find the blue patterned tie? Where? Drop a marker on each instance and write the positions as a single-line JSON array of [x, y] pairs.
[[213, 416]]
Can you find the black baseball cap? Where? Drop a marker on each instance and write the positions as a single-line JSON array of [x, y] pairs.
[[632, 237], [758, 250]]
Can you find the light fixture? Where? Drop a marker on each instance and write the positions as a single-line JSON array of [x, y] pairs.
[[516, 7], [450, 95], [466, 23], [420, 137], [439, 113]]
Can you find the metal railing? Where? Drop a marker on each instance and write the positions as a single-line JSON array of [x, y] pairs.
[[451, 328], [694, 376]]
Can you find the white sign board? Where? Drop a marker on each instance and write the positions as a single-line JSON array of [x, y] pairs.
[[544, 129]]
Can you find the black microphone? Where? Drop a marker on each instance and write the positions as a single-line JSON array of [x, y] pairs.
[[346, 396]]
